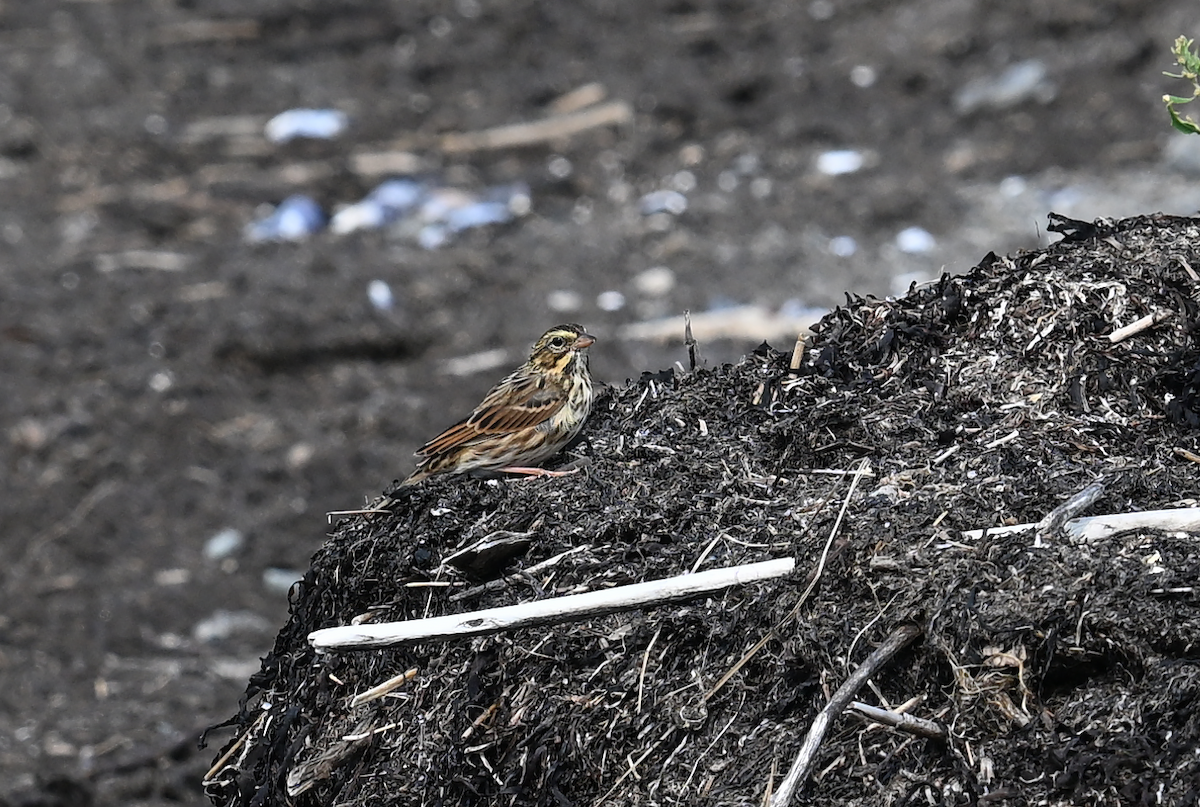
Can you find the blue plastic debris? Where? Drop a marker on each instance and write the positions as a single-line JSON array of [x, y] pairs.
[[296, 218], [389, 202], [672, 202], [429, 213], [320, 124]]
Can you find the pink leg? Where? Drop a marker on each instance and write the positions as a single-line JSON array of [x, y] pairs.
[[537, 471]]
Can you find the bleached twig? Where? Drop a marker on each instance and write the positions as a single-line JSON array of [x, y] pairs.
[[1093, 528], [1053, 523], [901, 721], [1190, 456], [542, 131], [378, 691], [900, 638], [548, 611], [1137, 326]]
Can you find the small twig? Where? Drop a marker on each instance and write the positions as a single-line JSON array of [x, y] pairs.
[[233, 749], [919, 726], [1137, 326], [999, 441], [945, 455], [376, 692], [362, 735], [770, 789], [707, 550], [484, 716], [528, 134], [1057, 518], [579, 98], [549, 611], [688, 339], [645, 663], [332, 514], [797, 354], [900, 639], [1187, 267], [195, 31], [632, 769], [1190, 456]]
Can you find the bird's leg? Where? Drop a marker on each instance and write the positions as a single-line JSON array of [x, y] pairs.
[[517, 469]]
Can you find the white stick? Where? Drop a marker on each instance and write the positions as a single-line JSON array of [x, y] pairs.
[[904, 722], [524, 134], [1181, 519], [1137, 326], [558, 609]]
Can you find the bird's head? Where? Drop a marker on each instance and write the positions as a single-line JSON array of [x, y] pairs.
[[560, 346]]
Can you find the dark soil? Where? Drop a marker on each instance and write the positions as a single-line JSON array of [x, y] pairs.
[[1065, 669], [255, 388]]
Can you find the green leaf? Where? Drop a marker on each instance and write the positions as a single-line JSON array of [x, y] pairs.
[[1185, 125]]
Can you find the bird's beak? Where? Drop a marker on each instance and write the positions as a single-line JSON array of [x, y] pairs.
[[583, 340]]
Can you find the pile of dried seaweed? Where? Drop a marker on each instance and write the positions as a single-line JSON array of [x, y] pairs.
[[1056, 668]]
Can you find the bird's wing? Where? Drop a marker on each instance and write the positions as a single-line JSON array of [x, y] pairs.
[[520, 401]]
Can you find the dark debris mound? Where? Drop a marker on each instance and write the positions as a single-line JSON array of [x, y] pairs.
[[1067, 672]]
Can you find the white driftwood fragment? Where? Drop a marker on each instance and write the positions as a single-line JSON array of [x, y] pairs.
[[1093, 528], [549, 611], [614, 113], [1137, 326]]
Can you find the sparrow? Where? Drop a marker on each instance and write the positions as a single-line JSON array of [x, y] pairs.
[[526, 419]]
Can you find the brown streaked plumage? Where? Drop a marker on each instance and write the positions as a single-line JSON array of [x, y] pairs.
[[526, 419]]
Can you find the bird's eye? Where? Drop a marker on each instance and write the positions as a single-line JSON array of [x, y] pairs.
[[558, 343]]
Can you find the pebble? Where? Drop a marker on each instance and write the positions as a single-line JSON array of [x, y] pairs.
[[610, 301], [222, 624], [843, 246], [161, 381], [760, 187], [224, 543], [863, 75], [380, 295], [296, 218], [841, 161], [915, 240], [1016, 84], [1012, 187], [319, 124], [280, 580], [564, 301], [656, 281]]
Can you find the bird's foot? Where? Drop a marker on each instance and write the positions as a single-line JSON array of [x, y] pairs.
[[517, 469]]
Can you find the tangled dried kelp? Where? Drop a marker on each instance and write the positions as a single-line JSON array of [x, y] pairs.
[[1062, 672]]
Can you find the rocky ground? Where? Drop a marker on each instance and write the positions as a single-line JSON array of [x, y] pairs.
[[182, 407]]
